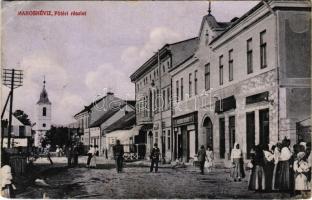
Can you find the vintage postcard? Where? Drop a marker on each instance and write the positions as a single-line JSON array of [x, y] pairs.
[[156, 99]]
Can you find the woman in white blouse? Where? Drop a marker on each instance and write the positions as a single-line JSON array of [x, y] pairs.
[[238, 163], [268, 166], [284, 173]]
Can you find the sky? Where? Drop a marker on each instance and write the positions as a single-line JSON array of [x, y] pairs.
[[82, 57]]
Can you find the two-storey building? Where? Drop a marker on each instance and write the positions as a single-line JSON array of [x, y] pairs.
[[153, 94], [248, 81]]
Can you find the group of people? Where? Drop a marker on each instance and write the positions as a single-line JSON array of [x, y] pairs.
[[72, 153], [280, 168], [275, 167], [205, 159]]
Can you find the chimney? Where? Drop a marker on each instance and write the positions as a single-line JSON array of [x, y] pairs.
[[110, 93]]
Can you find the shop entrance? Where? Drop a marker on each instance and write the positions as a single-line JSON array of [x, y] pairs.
[[208, 131]]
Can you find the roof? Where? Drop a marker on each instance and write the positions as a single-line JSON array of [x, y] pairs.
[[44, 99], [104, 117], [124, 123], [179, 51], [88, 108], [131, 102], [238, 21], [213, 23]]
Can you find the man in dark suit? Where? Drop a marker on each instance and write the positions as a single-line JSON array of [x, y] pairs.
[[201, 155], [154, 158], [118, 155]]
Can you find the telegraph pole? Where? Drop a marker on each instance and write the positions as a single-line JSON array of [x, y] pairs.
[[12, 78], [10, 112]]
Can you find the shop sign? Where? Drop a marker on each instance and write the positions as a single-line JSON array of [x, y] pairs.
[[185, 120]]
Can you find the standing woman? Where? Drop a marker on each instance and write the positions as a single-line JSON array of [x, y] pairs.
[[268, 165], [301, 169], [238, 163], [209, 154], [283, 181], [277, 153]]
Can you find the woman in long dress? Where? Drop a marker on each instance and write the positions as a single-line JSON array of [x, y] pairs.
[[301, 169], [284, 175], [238, 163], [268, 166], [257, 176], [93, 158], [209, 160], [277, 152]]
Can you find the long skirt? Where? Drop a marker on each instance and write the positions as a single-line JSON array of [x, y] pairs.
[[301, 182], [93, 161], [238, 170], [283, 177], [268, 172], [274, 177], [257, 179]]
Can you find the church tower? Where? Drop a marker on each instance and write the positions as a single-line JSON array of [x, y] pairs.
[[43, 115]]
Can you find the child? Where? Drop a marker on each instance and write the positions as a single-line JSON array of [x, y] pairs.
[[301, 168], [209, 154]]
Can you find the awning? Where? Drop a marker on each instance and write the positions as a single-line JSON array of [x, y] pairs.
[[226, 104], [124, 135]]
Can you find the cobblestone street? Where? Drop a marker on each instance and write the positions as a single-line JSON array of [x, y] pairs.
[[137, 182]]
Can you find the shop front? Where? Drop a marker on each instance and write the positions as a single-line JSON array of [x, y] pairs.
[[185, 137]]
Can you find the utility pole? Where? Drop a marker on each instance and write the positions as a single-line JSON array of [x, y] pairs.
[[12, 78], [10, 112]]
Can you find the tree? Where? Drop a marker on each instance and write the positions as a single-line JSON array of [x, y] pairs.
[[22, 117], [57, 136]]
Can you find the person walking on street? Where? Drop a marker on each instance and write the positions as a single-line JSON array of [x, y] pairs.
[[201, 155], [154, 158], [90, 154], [118, 155], [75, 155], [47, 152], [93, 158], [69, 156]]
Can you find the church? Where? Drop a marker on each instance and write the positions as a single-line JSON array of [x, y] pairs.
[[43, 116]]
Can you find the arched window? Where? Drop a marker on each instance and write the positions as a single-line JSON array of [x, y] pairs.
[[43, 125], [44, 111]]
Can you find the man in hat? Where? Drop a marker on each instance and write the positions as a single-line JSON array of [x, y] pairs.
[[118, 155], [154, 158]]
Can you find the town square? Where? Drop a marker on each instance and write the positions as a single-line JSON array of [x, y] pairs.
[[156, 100]]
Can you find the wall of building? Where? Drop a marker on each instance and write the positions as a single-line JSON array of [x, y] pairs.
[[40, 119], [295, 69]]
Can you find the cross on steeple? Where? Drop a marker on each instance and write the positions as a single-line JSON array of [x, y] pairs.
[[209, 7], [44, 82]]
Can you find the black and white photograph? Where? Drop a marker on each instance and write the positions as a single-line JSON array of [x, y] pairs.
[[156, 99]]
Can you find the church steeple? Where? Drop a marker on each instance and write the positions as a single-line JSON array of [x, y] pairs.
[[209, 8], [44, 99]]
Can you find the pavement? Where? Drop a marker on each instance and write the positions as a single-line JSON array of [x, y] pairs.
[[137, 182]]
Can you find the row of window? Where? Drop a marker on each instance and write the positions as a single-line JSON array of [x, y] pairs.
[[190, 88], [153, 75], [164, 136], [156, 101], [263, 62]]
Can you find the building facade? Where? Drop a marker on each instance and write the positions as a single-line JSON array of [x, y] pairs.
[[242, 82], [43, 116], [95, 118], [153, 94]]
